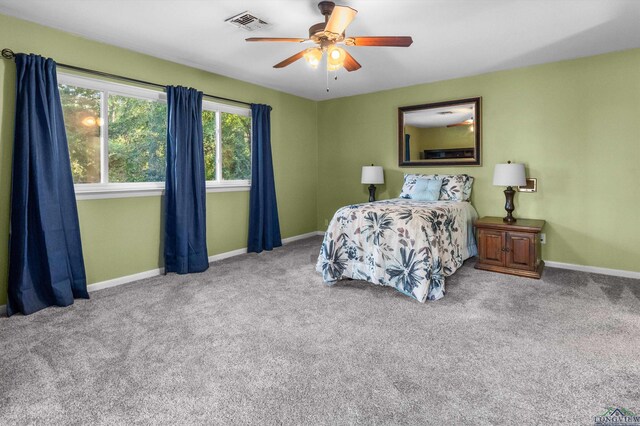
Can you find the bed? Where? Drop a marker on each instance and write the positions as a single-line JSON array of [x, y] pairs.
[[402, 243]]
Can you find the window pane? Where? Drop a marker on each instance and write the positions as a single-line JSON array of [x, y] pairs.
[[81, 110], [236, 146], [137, 140], [209, 140]]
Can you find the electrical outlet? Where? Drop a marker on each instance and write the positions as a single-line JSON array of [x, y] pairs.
[[543, 238]]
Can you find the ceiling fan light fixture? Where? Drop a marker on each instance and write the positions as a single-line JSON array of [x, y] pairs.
[[313, 55], [335, 58]]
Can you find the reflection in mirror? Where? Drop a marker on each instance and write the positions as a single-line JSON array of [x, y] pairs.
[[439, 134]]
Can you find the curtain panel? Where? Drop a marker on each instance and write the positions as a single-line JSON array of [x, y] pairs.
[[264, 225], [46, 266], [185, 238], [407, 147]]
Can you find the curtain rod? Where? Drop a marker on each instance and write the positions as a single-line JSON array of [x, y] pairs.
[[8, 54]]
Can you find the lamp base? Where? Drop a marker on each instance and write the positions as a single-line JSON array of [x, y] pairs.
[[372, 193], [509, 219], [508, 205]]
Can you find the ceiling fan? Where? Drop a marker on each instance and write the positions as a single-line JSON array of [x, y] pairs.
[[329, 34]]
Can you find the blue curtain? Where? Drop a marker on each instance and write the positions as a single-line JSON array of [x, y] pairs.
[[264, 227], [185, 232], [46, 266], [407, 147]]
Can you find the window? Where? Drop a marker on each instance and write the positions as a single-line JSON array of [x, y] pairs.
[[227, 143], [137, 135], [81, 111], [117, 139]]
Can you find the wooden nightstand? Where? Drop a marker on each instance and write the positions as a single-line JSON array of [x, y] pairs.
[[510, 248]]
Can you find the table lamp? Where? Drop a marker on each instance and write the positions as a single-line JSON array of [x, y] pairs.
[[509, 175], [372, 175]]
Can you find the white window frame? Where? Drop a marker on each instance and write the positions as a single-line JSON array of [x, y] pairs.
[[104, 189], [218, 109]]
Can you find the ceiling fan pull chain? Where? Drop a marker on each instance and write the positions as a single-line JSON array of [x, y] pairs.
[[327, 68]]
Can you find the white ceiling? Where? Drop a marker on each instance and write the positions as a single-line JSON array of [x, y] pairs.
[[452, 38]]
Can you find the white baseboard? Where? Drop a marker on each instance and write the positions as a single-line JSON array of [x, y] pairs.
[[227, 254], [301, 237], [123, 280], [159, 271], [243, 250], [593, 269]]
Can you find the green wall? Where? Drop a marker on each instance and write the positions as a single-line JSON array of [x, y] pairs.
[[123, 236], [573, 123]]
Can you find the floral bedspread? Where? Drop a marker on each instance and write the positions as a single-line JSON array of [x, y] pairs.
[[406, 244]]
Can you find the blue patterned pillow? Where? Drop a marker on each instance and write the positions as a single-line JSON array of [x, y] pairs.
[[426, 190], [457, 187], [454, 187], [468, 184]]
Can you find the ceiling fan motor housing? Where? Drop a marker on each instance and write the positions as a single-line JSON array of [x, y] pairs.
[[318, 34], [326, 7]]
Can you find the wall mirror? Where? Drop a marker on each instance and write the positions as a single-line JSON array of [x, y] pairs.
[[440, 134]]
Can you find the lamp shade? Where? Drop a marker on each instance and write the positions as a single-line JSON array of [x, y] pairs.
[[510, 174], [372, 174]]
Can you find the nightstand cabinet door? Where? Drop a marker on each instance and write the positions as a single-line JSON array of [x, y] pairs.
[[510, 248], [520, 251], [491, 250]]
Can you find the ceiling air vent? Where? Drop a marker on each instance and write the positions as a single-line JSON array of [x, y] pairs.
[[247, 21]]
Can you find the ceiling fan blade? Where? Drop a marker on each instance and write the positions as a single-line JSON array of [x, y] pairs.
[[340, 19], [290, 60], [399, 41], [291, 40], [350, 64]]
